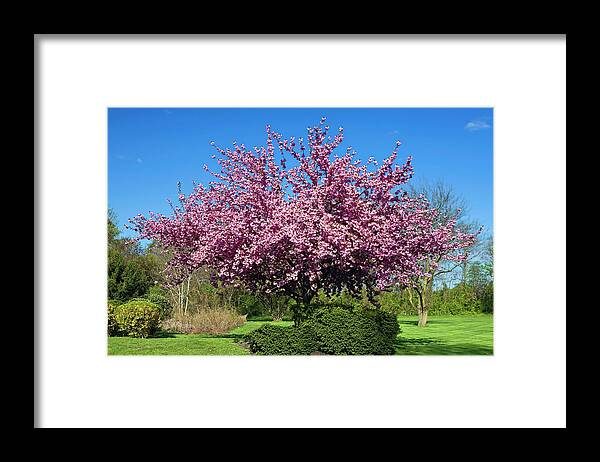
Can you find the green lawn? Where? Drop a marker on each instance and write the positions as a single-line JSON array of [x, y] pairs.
[[187, 344], [444, 335]]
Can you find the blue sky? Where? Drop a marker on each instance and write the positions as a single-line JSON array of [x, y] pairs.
[[151, 149]]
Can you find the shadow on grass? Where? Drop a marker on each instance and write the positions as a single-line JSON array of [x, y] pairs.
[[402, 342], [470, 349], [164, 334], [416, 323], [430, 347], [267, 319], [230, 335]]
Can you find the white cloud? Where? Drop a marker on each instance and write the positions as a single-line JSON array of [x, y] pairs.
[[475, 125], [138, 160]]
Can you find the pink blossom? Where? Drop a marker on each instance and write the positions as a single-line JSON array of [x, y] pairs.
[[304, 220]]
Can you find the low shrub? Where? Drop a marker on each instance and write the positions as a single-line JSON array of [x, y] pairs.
[[280, 340], [206, 321], [137, 318], [333, 330], [340, 331]]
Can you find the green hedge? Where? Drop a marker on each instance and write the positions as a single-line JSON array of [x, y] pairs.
[[279, 340], [137, 318], [362, 332], [337, 331]]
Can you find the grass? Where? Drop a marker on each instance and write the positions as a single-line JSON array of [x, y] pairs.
[[187, 344], [446, 335], [443, 335]]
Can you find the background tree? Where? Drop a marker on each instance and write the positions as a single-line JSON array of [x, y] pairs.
[[482, 276], [131, 271], [112, 228], [450, 206]]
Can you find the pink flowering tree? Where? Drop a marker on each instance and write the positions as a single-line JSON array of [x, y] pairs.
[[295, 217]]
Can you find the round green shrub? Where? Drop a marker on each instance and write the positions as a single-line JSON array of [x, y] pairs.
[[341, 331], [332, 330], [161, 301], [279, 340], [137, 318]]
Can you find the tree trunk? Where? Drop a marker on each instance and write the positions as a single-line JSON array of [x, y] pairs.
[[297, 313], [422, 317], [423, 308], [371, 296], [429, 290]]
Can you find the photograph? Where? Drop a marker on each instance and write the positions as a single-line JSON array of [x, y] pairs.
[[300, 231]]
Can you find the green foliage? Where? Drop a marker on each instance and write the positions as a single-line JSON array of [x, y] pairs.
[[112, 229], [458, 300], [245, 302], [487, 298], [279, 340], [250, 305], [129, 276], [131, 271], [156, 290], [161, 301], [113, 328], [275, 305], [480, 280], [343, 300], [337, 330], [342, 331], [137, 318]]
